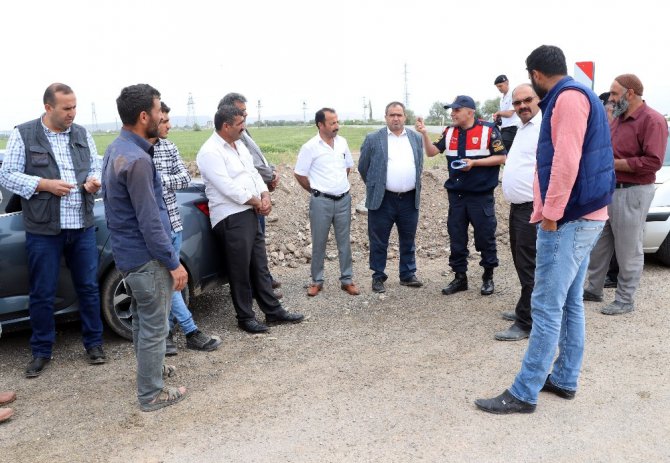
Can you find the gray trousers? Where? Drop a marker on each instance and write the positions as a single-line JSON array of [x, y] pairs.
[[150, 289], [623, 234], [322, 213]]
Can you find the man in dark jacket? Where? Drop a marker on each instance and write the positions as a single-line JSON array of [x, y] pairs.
[[52, 164]]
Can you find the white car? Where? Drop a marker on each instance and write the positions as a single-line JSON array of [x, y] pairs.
[[656, 238]]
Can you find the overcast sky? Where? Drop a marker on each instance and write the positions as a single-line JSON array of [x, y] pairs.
[[324, 53]]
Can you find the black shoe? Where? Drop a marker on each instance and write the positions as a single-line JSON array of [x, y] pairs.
[[513, 333], [559, 391], [96, 355], [487, 282], [378, 285], [197, 340], [459, 283], [509, 316], [36, 366], [252, 326], [589, 296], [413, 282], [487, 287], [285, 317], [504, 404], [610, 282], [170, 345]]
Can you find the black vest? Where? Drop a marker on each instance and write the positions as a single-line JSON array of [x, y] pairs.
[[41, 213]]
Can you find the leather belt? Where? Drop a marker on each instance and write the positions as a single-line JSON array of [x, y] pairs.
[[626, 185], [401, 194], [317, 193]]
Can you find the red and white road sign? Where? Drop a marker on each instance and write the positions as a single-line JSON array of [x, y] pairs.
[[585, 72]]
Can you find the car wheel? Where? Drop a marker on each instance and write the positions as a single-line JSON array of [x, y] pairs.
[[115, 304], [663, 253]]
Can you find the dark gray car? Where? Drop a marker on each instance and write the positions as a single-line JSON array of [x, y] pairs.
[[199, 255]]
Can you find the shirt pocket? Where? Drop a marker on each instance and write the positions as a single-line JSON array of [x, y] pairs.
[[39, 157]]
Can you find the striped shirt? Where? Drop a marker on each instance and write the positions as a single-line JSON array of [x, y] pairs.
[[14, 178], [174, 176]]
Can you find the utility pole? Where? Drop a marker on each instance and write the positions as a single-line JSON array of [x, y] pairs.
[[365, 109], [94, 118], [190, 112], [406, 89], [304, 112], [259, 112]]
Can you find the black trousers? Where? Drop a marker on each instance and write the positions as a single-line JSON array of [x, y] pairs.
[[522, 236], [478, 210], [246, 263], [508, 134]]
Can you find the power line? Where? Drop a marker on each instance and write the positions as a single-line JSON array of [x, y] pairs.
[[406, 88]]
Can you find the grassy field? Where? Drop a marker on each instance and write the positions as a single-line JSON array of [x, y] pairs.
[[280, 145]]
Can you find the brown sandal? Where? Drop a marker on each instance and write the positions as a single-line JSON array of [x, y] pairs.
[[169, 371], [166, 397]]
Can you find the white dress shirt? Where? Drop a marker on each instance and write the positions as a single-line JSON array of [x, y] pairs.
[[506, 105], [230, 177], [519, 171], [401, 170], [325, 167]]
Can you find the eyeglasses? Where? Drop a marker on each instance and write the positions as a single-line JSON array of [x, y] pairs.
[[525, 101]]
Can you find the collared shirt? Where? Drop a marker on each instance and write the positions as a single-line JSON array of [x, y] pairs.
[[519, 170], [14, 178], [174, 176], [506, 105], [641, 139], [230, 177], [568, 127], [325, 167], [401, 169], [136, 215]]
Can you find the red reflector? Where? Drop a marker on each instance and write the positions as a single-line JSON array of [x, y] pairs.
[[203, 207]]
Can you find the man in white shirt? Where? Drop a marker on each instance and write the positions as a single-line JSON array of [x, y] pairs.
[[322, 168], [506, 118], [237, 194], [390, 164], [517, 187]]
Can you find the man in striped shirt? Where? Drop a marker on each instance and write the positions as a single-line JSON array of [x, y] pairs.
[[174, 176]]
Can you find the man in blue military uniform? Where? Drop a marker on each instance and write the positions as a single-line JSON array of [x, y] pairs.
[[474, 150]]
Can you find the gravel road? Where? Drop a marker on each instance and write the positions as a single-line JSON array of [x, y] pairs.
[[388, 378]]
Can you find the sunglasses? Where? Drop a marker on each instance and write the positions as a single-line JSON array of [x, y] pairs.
[[526, 101]]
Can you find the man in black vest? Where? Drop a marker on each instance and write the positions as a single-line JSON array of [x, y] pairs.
[[53, 165]]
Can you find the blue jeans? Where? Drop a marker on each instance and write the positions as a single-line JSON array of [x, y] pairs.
[[399, 209], [149, 287], [557, 309], [179, 312], [81, 256]]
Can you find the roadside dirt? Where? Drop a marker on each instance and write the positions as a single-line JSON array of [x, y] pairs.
[[373, 378]]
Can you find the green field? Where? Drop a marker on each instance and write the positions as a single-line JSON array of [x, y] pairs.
[[280, 145]]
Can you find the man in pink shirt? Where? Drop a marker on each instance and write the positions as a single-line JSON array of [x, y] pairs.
[[573, 185], [639, 138]]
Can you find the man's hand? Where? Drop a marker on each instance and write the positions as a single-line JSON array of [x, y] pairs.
[[420, 126], [92, 185], [469, 164], [55, 186], [549, 225], [274, 182], [266, 205], [179, 278]]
